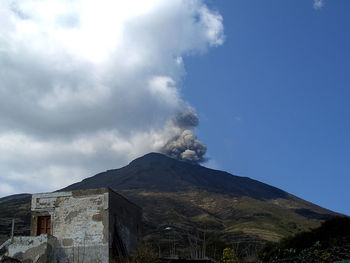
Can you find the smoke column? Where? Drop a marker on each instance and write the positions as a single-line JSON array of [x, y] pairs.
[[184, 145]]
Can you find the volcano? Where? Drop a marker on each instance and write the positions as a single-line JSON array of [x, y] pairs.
[[190, 198]]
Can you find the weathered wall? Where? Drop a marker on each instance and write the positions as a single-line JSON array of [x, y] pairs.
[[96, 225], [79, 220], [124, 225]]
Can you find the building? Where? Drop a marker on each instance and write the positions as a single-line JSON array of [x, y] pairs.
[[95, 225]]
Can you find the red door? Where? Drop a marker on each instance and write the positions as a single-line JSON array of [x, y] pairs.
[[44, 225]]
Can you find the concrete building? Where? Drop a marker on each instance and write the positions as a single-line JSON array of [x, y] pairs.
[[95, 225]]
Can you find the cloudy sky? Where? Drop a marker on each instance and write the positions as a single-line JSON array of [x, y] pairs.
[[260, 88], [88, 85]]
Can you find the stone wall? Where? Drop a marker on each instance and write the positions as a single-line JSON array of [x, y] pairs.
[[79, 221], [95, 225]]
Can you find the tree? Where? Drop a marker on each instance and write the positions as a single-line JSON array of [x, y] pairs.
[[229, 256]]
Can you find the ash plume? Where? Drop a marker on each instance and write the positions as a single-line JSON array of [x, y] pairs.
[[184, 144]]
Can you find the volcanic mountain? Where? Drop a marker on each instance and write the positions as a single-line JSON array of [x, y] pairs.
[[191, 198]]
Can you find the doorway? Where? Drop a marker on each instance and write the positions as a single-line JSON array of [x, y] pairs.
[[44, 225]]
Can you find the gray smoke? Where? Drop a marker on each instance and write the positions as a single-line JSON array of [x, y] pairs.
[[187, 119], [184, 145]]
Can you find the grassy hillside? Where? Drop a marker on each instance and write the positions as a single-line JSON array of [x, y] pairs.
[[224, 215]]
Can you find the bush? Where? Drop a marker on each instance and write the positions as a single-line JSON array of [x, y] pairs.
[[229, 256], [144, 254], [331, 236]]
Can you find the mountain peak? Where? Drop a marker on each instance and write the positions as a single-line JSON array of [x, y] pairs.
[[162, 173], [158, 158], [152, 157]]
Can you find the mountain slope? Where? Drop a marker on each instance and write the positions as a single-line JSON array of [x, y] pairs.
[[191, 196], [158, 172], [194, 199], [14, 207]]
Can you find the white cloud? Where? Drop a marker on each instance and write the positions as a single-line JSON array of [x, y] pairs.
[[87, 85], [318, 4]]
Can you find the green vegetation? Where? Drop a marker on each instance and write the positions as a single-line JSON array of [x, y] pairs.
[[327, 243], [229, 256], [221, 215], [144, 254]]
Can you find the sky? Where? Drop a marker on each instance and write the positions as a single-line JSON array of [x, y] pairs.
[[255, 88], [274, 98]]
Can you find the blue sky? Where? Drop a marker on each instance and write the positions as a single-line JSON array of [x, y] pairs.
[[273, 100]]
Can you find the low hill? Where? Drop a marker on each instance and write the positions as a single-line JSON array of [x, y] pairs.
[[14, 207], [194, 199]]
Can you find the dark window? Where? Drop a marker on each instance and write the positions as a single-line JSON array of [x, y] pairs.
[[44, 225]]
